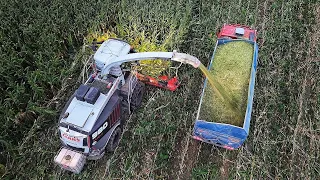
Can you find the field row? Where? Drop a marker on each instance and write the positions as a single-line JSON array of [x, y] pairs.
[[157, 143]]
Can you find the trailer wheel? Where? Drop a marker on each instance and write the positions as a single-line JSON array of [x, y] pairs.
[[114, 140], [137, 95]]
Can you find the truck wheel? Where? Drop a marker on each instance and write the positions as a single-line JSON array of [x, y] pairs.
[[137, 95], [114, 140]]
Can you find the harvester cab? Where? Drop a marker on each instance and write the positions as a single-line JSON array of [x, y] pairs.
[[91, 122]]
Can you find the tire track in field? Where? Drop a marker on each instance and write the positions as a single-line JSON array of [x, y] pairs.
[[154, 151], [182, 161], [303, 71], [271, 153], [217, 162], [188, 149], [248, 161], [189, 155], [301, 154], [237, 162], [227, 162]]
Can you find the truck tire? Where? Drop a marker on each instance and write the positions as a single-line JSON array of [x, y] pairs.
[[114, 140], [137, 95]]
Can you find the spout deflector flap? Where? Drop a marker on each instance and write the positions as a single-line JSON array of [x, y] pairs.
[[186, 58]]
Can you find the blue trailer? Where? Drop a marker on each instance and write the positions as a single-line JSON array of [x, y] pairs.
[[227, 135]]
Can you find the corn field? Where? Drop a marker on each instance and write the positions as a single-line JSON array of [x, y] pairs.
[[43, 60]]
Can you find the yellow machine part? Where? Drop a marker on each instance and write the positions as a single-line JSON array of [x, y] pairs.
[[99, 37]]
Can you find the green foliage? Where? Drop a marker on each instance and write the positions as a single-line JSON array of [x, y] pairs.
[[40, 66], [37, 45], [205, 172], [38, 41]]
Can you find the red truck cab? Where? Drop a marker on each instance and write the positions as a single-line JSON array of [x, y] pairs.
[[237, 31]]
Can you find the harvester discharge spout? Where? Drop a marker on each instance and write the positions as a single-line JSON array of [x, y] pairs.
[[186, 58], [174, 56]]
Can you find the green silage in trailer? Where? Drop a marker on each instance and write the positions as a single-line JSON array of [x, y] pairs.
[[231, 67]]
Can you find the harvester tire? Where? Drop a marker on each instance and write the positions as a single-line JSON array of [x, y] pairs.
[[114, 140], [137, 95]]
